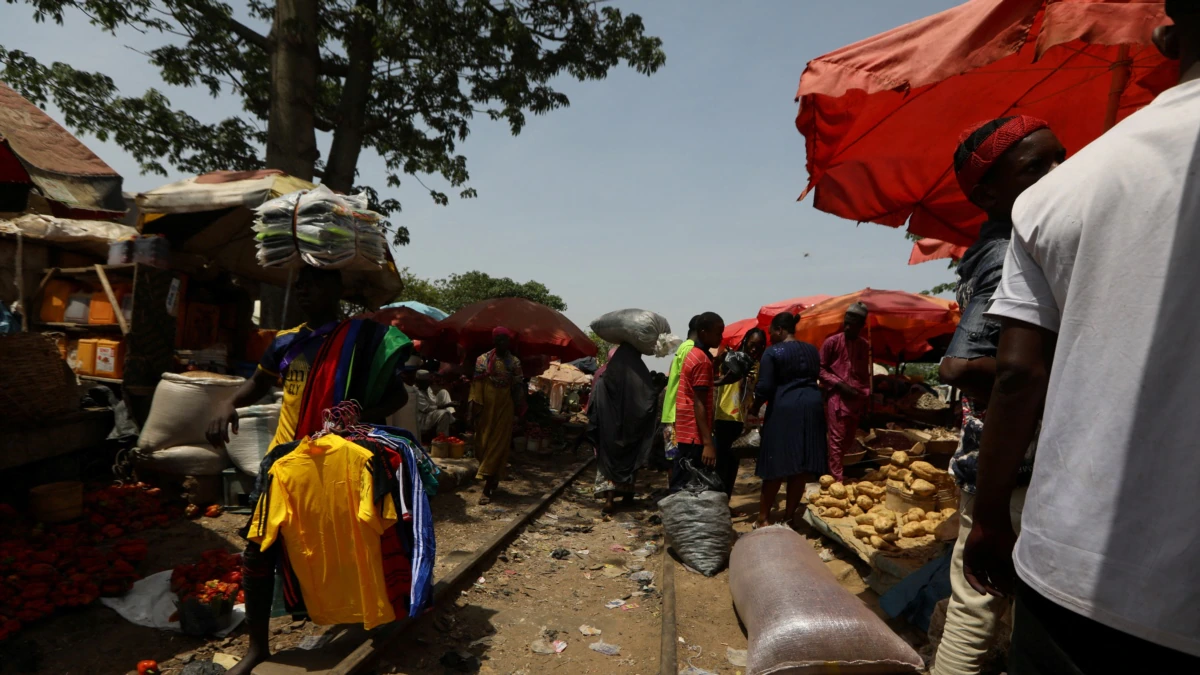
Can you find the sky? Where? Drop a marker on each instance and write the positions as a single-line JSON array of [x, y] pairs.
[[674, 193]]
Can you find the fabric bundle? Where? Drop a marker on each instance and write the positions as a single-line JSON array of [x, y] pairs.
[[344, 519], [320, 228]]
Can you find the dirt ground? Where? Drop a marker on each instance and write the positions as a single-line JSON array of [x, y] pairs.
[[530, 598], [94, 640]]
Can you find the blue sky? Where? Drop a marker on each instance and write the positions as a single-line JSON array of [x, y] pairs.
[[675, 192]]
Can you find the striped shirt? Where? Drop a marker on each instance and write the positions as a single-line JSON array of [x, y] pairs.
[[697, 373]]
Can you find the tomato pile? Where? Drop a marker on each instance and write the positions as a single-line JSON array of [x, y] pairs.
[[452, 440], [215, 581], [46, 567]]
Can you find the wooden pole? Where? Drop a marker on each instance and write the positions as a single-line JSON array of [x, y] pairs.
[[1121, 71]]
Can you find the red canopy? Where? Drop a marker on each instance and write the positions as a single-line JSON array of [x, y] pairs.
[[900, 324], [734, 332], [881, 118], [412, 323], [934, 249], [541, 331], [793, 306]]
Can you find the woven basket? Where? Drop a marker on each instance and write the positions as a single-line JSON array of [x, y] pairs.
[[39, 383]]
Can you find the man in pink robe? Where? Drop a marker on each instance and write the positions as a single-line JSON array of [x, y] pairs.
[[845, 373]]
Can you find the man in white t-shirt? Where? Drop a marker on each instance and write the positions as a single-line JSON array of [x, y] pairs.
[[1100, 326]]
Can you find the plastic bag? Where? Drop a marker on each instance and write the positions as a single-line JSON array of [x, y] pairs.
[[738, 363], [803, 622], [698, 528], [647, 332], [750, 439], [700, 477]]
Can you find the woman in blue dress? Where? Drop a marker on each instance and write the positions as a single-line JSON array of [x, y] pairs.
[[793, 434]]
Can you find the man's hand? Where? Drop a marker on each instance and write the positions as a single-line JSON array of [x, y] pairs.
[[218, 428], [988, 558], [847, 391], [710, 455]]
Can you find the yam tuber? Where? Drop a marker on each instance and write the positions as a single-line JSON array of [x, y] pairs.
[[879, 543], [878, 509], [916, 513], [855, 511], [874, 475], [831, 502], [890, 537], [851, 492], [900, 459], [864, 502], [885, 522], [835, 512], [923, 488], [912, 530], [826, 481], [901, 475], [927, 471], [869, 490], [837, 491], [930, 526], [865, 519], [864, 531], [947, 512]]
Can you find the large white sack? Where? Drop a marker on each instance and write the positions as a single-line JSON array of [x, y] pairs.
[[649, 333], [184, 460], [256, 429], [182, 408]]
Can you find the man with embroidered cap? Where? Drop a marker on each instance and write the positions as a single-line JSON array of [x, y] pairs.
[[845, 379], [1098, 334], [995, 162]]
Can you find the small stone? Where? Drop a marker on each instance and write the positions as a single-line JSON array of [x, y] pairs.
[[187, 658], [276, 630], [298, 624], [286, 630]]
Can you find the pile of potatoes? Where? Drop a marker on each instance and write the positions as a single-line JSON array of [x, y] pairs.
[[875, 523]]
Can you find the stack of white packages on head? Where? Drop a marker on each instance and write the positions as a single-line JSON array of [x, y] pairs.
[[320, 228]]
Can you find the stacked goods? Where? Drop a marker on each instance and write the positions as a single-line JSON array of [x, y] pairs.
[[880, 518], [647, 332], [320, 228], [174, 438], [256, 430]]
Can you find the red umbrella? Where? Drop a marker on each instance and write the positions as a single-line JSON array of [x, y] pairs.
[[934, 249], [541, 331], [412, 323], [734, 332], [900, 324], [881, 118], [793, 306]]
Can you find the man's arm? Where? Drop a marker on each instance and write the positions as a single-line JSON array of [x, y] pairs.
[[709, 457], [1017, 401], [975, 377], [251, 391]]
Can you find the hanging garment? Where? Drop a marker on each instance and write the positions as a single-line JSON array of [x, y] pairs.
[[320, 500]]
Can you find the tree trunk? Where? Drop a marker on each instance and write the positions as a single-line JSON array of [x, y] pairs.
[[348, 134], [291, 129]]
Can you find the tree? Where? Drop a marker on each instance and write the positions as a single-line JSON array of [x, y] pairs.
[[459, 290], [402, 78], [602, 347]]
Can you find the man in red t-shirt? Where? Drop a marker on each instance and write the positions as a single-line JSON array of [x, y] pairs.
[[694, 403]]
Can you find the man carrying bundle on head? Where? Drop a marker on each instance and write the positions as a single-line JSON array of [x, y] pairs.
[[994, 164]]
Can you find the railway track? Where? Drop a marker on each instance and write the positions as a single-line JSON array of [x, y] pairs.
[[352, 651]]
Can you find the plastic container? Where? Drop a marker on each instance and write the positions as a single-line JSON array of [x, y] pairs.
[[120, 252], [153, 250], [101, 311], [57, 502], [110, 359], [54, 300], [85, 357], [78, 305]]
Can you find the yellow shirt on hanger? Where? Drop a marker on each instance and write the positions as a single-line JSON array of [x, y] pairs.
[[319, 500]]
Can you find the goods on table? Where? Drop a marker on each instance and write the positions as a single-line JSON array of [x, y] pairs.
[[893, 508], [256, 430], [320, 228], [647, 332], [804, 622], [450, 447], [44, 567], [698, 528]]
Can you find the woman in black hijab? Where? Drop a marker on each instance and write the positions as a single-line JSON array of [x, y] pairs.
[[622, 423]]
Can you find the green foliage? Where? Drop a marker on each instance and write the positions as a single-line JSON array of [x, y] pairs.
[[402, 78], [459, 290], [602, 347]]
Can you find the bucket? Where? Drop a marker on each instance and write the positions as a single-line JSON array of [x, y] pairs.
[[441, 450], [85, 356], [534, 445], [57, 502], [110, 359]]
